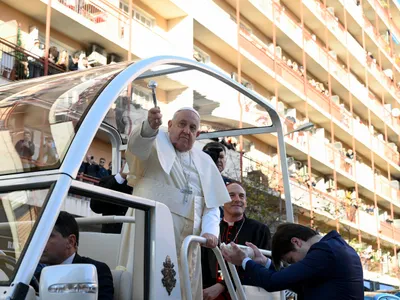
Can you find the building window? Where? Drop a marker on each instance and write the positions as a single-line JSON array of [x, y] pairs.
[[138, 15], [200, 55], [141, 96]]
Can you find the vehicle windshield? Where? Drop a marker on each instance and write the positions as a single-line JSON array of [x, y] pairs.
[[39, 118], [19, 211]]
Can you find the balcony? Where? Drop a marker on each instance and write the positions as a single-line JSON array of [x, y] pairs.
[[346, 40], [99, 22], [262, 53], [17, 63], [341, 79]]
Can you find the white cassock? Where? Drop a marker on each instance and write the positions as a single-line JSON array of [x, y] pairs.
[[159, 172]]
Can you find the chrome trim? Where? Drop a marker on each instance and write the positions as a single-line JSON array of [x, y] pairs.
[[110, 193], [102, 104], [236, 132], [185, 279], [43, 230]]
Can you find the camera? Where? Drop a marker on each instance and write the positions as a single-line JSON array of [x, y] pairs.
[[214, 153]]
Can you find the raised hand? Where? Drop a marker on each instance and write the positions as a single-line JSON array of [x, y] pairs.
[[154, 117]]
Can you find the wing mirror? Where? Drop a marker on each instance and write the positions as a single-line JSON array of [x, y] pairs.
[[69, 282]]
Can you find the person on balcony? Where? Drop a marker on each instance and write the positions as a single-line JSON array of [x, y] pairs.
[[102, 172], [35, 67], [73, 62], [63, 60], [26, 149], [320, 267]]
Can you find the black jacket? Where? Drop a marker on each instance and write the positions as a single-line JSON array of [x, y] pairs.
[[104, 276], [109, 209]]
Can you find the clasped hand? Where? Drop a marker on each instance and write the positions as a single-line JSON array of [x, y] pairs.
[[236, 255]]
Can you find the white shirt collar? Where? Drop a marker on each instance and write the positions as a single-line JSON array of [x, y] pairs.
[[69, 260]]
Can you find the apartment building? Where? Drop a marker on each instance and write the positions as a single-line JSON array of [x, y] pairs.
[[335, 63]]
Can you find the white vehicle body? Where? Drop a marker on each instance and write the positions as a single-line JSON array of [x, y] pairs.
[[46, 189]]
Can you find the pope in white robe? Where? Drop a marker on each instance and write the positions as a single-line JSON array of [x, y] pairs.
[[165, 167]]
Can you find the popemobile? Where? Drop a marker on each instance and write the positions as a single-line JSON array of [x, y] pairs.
[[65, 117]]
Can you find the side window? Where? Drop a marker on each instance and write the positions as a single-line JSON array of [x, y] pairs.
[[100, 239], [19, 210]]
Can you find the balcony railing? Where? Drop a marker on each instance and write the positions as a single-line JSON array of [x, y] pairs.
[[88, 9], [16, 63], [262, 53]]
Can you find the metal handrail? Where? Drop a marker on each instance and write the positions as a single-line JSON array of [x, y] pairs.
[[185, 266], [236, 278]]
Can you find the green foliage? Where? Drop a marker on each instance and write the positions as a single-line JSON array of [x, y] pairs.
[[19, 55], [264, 204]]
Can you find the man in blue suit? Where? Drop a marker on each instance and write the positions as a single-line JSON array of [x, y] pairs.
[[320, 267]]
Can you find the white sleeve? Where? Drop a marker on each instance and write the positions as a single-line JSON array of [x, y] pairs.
[[141, 141], [119, 178], [147, 131], [210, 221]]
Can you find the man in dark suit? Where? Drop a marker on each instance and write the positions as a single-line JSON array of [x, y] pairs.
[[61, 248], [117, 183], [320, 267], [234, 227]]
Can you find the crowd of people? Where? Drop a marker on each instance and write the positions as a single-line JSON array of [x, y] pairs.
[[61, 58], [93, 169]]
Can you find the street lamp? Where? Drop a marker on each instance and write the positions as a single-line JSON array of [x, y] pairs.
[[305, 127]]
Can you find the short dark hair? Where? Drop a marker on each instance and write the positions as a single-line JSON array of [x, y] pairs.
[[211, 145], [102, 158], [67, 225], [281, 241]]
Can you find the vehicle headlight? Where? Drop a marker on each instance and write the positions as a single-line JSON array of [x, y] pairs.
[[66, 288]]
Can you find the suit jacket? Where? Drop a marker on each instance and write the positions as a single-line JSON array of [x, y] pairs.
[[109, 209], [331, 270], [104, 276], [105, 279]]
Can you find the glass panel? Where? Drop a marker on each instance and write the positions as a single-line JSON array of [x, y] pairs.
[[216, 102], [38, 124], [19, 211]]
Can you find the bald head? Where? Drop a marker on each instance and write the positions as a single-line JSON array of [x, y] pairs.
[[234, 210]]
